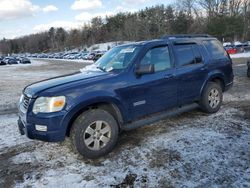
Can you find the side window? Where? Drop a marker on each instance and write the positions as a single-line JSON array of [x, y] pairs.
[[196, 51], [159, 57], [186, 54], [215, 49]]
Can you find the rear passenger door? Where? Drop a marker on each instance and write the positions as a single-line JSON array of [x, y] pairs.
[[190, 71]]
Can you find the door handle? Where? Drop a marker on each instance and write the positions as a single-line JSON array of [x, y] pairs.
[[168, 76], [203, 68]]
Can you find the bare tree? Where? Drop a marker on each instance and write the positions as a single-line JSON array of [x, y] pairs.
[[246, 18]]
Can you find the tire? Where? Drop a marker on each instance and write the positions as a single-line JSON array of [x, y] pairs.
[[248, 72], [93, 127], [211, 98]]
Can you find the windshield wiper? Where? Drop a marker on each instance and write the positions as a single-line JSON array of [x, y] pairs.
[[102, 69]]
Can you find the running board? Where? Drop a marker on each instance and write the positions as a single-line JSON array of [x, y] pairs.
[[159, 116]]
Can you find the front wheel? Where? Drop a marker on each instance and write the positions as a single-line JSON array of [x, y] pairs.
[[211, 98], [94, 133]]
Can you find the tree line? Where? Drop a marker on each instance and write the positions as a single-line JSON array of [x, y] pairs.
[[228, 20]]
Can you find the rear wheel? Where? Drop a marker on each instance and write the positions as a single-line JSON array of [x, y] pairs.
[[94, 133], [211, 98]]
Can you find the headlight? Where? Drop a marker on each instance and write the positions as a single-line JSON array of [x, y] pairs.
[[49, 104]]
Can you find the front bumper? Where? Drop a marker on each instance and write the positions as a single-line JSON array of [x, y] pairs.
[[55, 133]]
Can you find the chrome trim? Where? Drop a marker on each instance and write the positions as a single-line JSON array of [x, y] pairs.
[[24, 105], [138, 103], [229, 83]]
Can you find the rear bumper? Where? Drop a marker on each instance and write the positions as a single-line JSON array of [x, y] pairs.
[[55, 132]]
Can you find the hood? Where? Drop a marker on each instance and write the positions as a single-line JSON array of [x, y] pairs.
[[87, 76]]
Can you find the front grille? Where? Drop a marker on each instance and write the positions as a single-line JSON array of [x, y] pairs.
[[25, 102]]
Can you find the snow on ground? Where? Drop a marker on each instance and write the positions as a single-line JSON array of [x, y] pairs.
[[15, 77], [10, 136], [240, 55], [64, 60], [242, 97], [191, 150]]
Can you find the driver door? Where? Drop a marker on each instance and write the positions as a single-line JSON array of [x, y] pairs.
[[154, 92]]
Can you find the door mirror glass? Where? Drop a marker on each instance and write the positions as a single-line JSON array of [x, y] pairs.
[[145, 69]]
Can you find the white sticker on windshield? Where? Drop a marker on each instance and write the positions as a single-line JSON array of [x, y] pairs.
[[128, 50]]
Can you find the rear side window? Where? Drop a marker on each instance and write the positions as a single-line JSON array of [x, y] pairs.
[[186, 54], [215, 49]]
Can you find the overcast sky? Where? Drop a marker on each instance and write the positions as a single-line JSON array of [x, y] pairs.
[[22, 17]]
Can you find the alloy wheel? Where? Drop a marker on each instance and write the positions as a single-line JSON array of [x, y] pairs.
[[214, 98], [97, 135]]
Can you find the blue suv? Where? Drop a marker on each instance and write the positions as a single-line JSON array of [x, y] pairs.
[[130, 86]]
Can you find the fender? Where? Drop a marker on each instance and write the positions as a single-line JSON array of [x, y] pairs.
[[90, 99], [212, 75]]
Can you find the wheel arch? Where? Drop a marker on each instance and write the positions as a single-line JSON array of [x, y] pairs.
[[110, 105], [217, 78]]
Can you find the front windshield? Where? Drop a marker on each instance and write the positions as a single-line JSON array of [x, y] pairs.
[[118, 58]]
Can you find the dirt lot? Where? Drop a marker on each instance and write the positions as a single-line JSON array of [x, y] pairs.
[[192, 150]]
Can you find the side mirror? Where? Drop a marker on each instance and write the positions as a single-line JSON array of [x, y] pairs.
[[145, 69], [198, 59]]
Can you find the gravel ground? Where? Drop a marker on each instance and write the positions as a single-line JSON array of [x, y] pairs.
[[191, 150]]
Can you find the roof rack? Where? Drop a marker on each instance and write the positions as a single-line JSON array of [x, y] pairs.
[[186, 36]]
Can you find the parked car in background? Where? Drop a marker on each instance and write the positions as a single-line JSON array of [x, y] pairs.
[[10, 60], [240, 48], [42, 56], [225, 44], [130, 86], [90, 56], [246, 46], [231, 49], [66, 56], [51, 56], [24, 60], [72, 55], [58, 55], [83, 55], [237, 47], [1, 61], [6, 59], [98, 56]]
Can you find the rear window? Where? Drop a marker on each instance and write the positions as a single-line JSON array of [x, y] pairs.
[[215, 49]]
